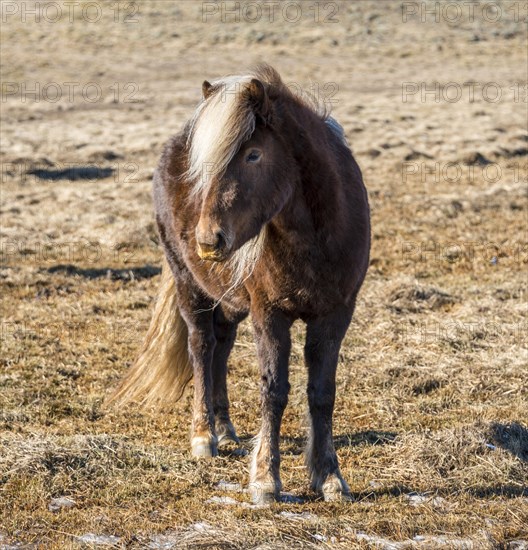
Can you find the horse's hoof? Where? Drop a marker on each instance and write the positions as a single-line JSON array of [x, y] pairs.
[[263, 493], [203, 447], [335, 489], [226, 434]]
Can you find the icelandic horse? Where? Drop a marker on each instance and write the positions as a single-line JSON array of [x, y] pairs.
[[261, 210]]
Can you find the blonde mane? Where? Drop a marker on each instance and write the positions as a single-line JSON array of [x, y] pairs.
[[221, 123]]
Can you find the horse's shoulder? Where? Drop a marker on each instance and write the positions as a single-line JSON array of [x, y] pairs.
[[174, 151], [172, 163]]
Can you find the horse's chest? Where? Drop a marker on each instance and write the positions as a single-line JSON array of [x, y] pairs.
[[302, 288]]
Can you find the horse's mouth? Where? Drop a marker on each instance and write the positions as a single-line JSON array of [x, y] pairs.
[[211, 255]]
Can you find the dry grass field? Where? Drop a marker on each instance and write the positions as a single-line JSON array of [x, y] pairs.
[[431, 420]]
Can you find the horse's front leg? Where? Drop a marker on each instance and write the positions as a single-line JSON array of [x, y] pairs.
[[323, 341], [201, 346], [196, 309], [272, 335]]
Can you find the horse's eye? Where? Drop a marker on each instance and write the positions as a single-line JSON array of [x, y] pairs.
[[253, 156]]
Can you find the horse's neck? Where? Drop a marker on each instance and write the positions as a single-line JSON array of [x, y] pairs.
[[320, 187], [313, 215], [315, 212]]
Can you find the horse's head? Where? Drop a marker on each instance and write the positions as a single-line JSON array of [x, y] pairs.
[[242, 170]]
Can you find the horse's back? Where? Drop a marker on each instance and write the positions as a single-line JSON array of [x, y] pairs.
[[337, 129]]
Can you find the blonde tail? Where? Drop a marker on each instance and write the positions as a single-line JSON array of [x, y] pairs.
[[162, 369]]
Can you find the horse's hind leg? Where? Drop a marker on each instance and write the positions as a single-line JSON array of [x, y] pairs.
[[323, 341], [225, 333]]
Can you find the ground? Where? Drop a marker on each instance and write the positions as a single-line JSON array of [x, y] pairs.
[[432, 410]]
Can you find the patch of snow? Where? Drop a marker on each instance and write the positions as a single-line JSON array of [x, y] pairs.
[[163, 542], [385, 544], [226, 501], [57, 504], [15, 546], [229, 486], [99, 540], [299, 516], [419, 541], [201, 526], [254, 506], [417, 499], [462, 544]]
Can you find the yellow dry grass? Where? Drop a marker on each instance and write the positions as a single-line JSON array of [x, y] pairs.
[[431, 419]]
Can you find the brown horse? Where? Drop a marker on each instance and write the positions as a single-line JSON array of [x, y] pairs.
[[261, 210]]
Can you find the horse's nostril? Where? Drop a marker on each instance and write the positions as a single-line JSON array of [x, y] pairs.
[[220, 240]]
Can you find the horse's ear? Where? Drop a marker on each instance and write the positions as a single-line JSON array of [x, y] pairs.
[[207, 89], [259, 99]]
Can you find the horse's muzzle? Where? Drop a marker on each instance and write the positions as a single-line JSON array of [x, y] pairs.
[[214, 248]]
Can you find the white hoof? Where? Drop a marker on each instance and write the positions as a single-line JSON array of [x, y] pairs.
[[263, 493], [335, 489], [203, 447]]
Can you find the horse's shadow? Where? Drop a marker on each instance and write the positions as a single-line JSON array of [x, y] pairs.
[[511, 437], [367, 437], [297, 445], [481, 492]]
